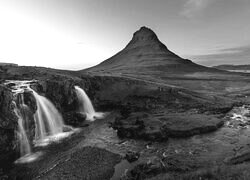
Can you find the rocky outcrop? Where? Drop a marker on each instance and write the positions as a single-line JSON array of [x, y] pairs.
[[149, 168], [161, 126], [132, 156], [8, 124], [136, 126], [60, 92], [74, 118]]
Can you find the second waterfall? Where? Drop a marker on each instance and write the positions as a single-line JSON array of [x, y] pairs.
[[85, 105]]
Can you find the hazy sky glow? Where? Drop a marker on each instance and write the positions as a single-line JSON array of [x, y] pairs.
[[75, 34]]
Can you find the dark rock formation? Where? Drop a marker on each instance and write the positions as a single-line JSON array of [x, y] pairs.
[[184, 125], [60, 92], [74, 118], [132, 156], [150, 168], [135, 127], [8, 125], [161, 126], [239, 158]]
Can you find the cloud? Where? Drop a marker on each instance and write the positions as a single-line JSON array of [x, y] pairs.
[[235, 55], [194, 7]]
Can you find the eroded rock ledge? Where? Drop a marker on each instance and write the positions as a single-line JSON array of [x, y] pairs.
[[158, 127]]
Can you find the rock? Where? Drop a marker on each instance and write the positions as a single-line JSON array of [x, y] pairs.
[[30, 100], [178, 133], [60, 92], [134, 127], [158, 127], [153, 166], [132, 156], [8, 126], [67, 128], [247, 115], [239, 158], [179, 163], [9, 85], [74, 118]]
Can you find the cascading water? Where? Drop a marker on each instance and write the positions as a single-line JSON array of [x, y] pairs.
[[24, 143], [48, 120], [22, 112], [85, 105]]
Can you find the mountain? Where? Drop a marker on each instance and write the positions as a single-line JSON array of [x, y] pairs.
[[146, 53], [8, 64]]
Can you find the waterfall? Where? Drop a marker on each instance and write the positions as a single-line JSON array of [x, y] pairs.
[[24, 143], [85, 105], [48, 120]]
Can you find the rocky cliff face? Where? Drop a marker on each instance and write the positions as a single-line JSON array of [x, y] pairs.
[[8, 123]]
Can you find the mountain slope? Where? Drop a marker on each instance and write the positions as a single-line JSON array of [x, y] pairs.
[[146, 53], [233, 67]]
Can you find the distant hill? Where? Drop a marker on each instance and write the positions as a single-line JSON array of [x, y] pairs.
[[145, 53], [8, 64], [234, 68]]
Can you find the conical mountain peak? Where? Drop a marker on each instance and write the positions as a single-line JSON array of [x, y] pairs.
[[145, 53], [144, 34], [145, 37]]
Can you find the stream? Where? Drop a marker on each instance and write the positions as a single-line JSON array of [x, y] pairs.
[[203, 151]]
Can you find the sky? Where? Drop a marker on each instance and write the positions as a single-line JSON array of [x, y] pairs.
[[76, 34]]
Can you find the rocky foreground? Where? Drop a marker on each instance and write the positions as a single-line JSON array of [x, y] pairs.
[[161, 131]]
